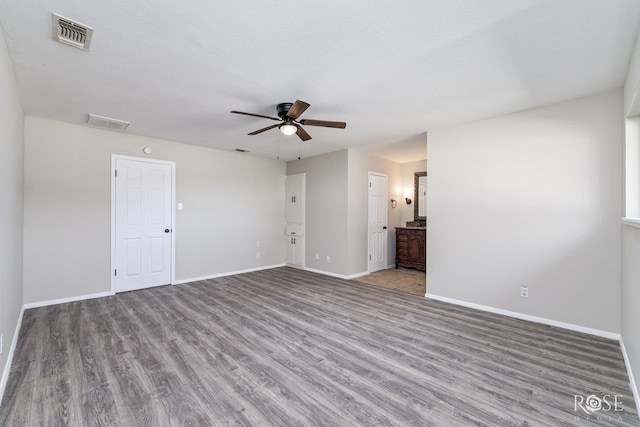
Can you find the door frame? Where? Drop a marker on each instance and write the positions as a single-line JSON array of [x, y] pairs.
[[114, 159], [386, 235]]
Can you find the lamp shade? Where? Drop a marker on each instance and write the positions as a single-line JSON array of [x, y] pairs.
[[288, 128]]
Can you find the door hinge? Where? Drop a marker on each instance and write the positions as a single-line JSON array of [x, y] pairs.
[[115, 272], [116, 173]]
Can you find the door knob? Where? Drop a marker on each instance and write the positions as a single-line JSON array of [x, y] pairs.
[[166, 230]]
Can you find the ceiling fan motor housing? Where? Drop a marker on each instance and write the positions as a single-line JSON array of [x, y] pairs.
[[283, 109]]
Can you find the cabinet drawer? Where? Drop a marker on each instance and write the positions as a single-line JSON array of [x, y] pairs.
[[294, 229]]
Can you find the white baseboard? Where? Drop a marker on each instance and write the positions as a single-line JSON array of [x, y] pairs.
[[632, 381], [229, 273], [7, 366], [522, 316], [339, 276], [65, 300], [326, 273], [354, 276]]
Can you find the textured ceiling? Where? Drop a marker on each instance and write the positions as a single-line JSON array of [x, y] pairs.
[[392, 70]]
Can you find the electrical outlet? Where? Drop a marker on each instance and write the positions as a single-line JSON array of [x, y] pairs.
[[258, 244], [524, 291], [257, 255], [317, 257], [328, 259]]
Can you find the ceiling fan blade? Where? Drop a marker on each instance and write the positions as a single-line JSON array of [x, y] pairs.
[[302, 134], [297, 109], [255, 115], [255, 132], [323, 123]]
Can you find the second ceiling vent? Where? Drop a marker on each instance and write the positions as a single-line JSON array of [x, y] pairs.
[[70, 32]]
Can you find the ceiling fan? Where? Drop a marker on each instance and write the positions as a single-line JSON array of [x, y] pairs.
[[288, 114]]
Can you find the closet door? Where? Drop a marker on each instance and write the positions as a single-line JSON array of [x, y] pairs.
[[294, 222], [295, 251], [295, 198]]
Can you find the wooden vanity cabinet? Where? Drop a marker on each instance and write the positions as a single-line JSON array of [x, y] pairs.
[[411, 249]]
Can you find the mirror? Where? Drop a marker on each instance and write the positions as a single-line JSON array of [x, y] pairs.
[[420, 197]]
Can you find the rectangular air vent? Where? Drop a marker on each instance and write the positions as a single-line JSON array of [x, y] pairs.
[[107, 122], [69, 32]]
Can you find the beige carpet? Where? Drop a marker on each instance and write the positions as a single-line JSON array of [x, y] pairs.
[[402, 279]]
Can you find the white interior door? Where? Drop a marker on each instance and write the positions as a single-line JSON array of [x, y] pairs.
[[295, 189], [377, 227], [143, 224], [295, 219]]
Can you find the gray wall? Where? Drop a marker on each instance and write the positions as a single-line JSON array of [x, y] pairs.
[[231, 201], [11, 205], [532, 198], [336, 209], [326, 210], [360, 164], [631, 235]]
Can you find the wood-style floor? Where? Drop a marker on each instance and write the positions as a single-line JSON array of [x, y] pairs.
[[286, 347]]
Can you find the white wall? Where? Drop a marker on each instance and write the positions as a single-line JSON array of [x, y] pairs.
[[532, 198], [630, 234], [231, 201], [11, 205]]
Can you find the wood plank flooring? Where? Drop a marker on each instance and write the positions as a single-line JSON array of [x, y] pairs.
[[286, 347]]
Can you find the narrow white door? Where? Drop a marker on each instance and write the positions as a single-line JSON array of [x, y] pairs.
[[295, 219], [377, 227], [294, 251], [295, 186], [143, 224]]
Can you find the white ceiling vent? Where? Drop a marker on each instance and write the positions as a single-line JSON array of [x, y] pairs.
[[70, 32], [107, 122]]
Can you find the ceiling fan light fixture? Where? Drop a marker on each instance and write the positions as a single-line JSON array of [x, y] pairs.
[[288, 128]]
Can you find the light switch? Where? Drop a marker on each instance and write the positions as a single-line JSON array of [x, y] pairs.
[[179, 206]]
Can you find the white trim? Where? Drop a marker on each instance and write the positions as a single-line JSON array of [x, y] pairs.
[[326, 273], [632, 381], [229, 273], [339, 276], [114, 158], [7, 366], [386, 218], [355, 276], [633, 222], [522, 316], [66, 300]]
